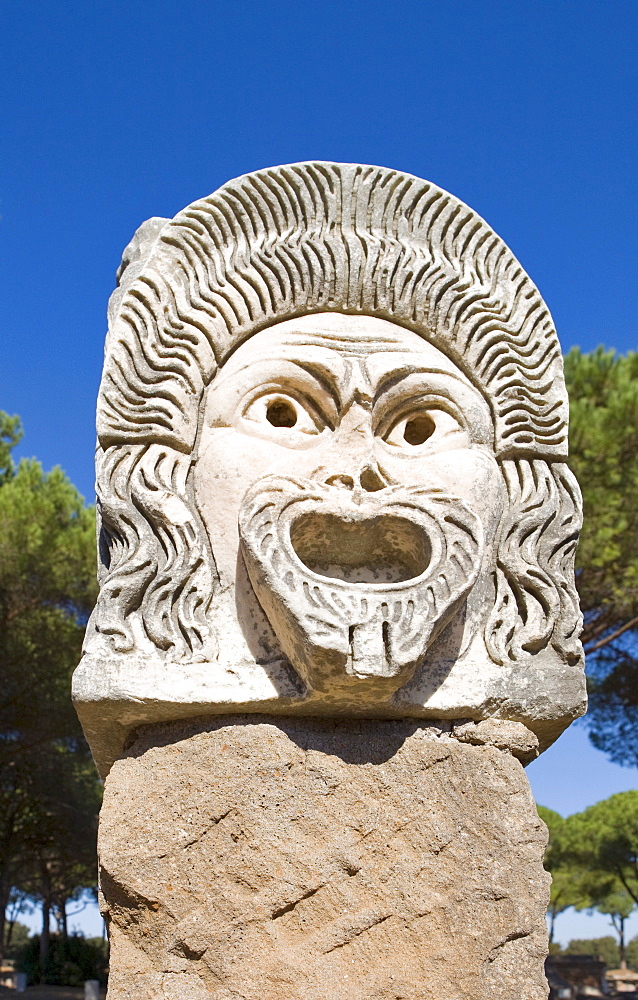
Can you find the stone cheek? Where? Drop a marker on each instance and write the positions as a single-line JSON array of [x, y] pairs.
[[315, 859]]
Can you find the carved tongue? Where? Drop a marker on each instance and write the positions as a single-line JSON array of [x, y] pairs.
[[368, 653]]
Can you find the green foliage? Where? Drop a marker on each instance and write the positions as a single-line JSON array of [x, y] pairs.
[[631, 954], [17, 939], [57, 851], [606, 948], [606, 843], [565, 890], [603, 388], [10, 436], [47, 590], [69, 963], [614, 901], [593, 859], [49, 793]]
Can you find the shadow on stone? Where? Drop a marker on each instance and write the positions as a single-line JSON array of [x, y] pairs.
[[360, 741]]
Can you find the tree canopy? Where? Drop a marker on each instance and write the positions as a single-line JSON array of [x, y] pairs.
[[49, 793], [603, 388], [565, 889], [593, 859], [605, 948], [605, 839], [10, 436]]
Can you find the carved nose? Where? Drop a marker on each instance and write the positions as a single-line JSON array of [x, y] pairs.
[[371, 478], [341, 482], [368, 478]]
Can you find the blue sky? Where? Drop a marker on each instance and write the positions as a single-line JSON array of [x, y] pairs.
[[111, 112]]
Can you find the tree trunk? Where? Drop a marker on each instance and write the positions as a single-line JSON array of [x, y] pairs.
[[618, 924], [4, 900], [621, 942], [64, 925], [7, 858], [45, 936]]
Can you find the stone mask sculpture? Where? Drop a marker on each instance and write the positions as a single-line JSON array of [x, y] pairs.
[[332, 432], [360, 536]]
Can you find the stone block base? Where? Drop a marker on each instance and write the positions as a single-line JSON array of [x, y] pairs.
[[253, 858]]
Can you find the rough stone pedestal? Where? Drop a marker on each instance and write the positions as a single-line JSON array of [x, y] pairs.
[[252, 858]]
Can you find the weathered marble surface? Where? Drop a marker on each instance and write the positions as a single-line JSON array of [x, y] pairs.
[[332, 431], [260, 859]]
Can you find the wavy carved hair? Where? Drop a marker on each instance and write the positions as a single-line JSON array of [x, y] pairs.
[[281, 243]]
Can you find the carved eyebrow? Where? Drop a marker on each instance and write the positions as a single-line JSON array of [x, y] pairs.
[[321, 373], [390, 379], [324, 376]]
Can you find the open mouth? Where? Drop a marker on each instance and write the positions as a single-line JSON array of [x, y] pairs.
[[357, 591], [377, 549]]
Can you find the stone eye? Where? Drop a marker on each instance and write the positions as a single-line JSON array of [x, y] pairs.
[[285, 419], [413, 430], [418, 429], [280, 413]]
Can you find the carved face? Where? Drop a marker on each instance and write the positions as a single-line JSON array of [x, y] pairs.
[[352, 464], [337, 496]]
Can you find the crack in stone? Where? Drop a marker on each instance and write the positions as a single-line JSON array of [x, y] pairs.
[[200, 836], [290, 906], [181, 948], [513, 936], [357, 933]]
